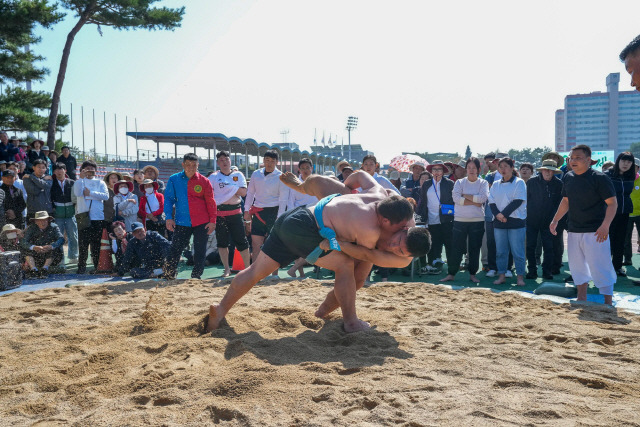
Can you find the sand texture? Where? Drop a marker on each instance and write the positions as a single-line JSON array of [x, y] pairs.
[[134, 354]]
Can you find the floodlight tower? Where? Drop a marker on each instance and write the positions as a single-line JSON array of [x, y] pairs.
[[352, 123]]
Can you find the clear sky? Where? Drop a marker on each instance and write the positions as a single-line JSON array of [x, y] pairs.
[[420, 75]]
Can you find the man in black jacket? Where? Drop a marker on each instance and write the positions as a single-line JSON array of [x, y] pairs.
[[436, 195], [146, 254], [544, 193], [14, 202], [69, 161]]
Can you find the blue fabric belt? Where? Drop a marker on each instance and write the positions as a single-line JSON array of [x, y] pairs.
[[325, 232]]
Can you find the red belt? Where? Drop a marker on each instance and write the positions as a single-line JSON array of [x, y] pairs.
[[254, 211], [229, 213]]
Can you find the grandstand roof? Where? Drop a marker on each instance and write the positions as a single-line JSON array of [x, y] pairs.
[[218, 141]]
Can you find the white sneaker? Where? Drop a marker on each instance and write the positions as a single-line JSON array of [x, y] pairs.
[[508, 274], [491, 273]]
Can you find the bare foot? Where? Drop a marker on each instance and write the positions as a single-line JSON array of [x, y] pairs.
[[291, 272], [325, 309], [500, 280], [473, 278], [355, 326], [302, 276], [226, 273], [291, 181], [215, 317], [447, 278], [520, 281]]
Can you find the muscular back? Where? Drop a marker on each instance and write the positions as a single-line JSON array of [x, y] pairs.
[[353, 216]]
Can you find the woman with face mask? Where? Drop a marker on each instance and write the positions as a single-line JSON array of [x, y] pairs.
[[125, 203], [151, 211]]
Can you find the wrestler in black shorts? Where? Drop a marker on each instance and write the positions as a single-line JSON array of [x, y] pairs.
[[269, 216], [294, 235], [231, 226]]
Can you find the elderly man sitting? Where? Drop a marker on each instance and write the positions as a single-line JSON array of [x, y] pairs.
[[145, 255], [42, 245]]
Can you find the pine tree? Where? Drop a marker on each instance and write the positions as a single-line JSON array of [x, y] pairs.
[[18, 107], [119, 14]]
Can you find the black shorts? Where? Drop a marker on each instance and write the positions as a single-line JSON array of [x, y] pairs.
[[294, 235], [268, 215], [231, 227]]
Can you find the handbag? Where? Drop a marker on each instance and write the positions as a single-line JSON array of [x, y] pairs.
[[82, 219], [447, 209]]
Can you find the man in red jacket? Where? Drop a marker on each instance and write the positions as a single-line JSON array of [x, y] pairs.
[[192, 196]]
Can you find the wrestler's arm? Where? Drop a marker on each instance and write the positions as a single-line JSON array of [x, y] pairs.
[[361, 179], [375, 256]]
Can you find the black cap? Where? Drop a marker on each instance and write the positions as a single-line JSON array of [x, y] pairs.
[[9, 172]]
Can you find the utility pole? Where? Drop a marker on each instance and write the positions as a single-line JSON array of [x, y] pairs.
[[352, 123]]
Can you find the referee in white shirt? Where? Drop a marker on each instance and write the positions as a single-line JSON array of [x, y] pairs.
[[262, 206]]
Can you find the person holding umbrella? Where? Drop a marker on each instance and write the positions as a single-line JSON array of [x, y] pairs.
[[413, 181]]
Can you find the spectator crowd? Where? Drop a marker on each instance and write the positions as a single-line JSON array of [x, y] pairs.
[[486, 215]]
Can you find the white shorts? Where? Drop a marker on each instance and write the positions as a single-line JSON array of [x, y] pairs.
[[590, 260]]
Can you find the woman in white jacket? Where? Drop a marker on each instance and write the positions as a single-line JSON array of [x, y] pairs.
[[125, 203]]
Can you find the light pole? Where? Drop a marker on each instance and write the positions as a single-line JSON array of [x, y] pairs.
[[352, 123]]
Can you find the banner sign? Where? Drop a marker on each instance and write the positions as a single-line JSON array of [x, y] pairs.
[[600, 156]]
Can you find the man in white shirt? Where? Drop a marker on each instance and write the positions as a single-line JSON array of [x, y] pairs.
[[263, 204], [91, 193], [228, 189]]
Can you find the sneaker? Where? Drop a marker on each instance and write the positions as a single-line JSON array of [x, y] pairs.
[[491, 273], [508, 273], [531, 275], [569, 279], [430, 270], [438, 263], [627, 263], [621, 273], [547, 276]]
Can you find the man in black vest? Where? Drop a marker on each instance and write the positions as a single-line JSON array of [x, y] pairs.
[[64, 209]]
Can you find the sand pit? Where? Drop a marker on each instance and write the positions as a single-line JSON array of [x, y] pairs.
[[132, 354]]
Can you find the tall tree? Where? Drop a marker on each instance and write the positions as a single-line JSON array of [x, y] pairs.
[[119, 14], [19, 109], [528, 155]]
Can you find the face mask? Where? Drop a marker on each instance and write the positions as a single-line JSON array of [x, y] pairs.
[[12, 235], [123, 190], [149, 190]]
